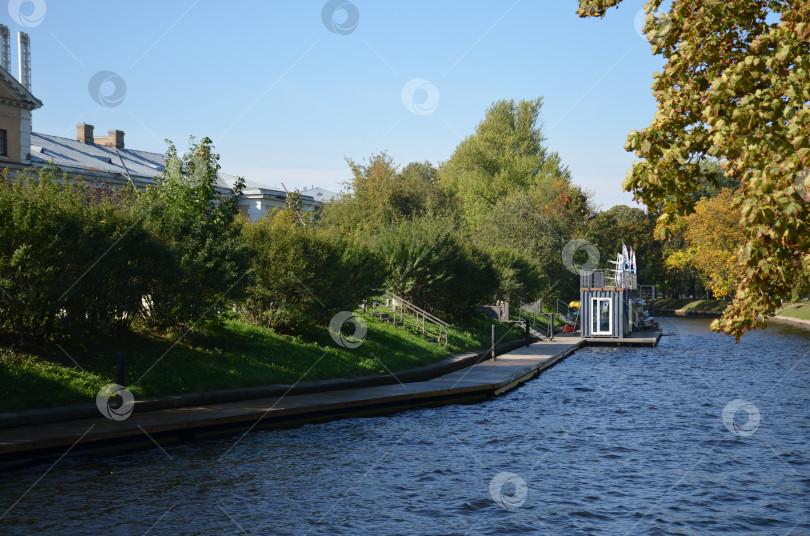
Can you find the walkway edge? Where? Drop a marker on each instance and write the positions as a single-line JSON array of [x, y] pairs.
[[688, 313], [485, 378], [90, 411]]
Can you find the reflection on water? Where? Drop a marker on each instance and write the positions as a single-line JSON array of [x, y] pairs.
[[611, 441]]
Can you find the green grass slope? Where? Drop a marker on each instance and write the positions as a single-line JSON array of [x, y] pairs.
[[232, 356], [691, 305], [797, 310]]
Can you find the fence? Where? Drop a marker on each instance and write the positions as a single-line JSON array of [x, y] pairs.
[[608, 278]]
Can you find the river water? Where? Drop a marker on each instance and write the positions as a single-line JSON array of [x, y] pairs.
[[610, 441]]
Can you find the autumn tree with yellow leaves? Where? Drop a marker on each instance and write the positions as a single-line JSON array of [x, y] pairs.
[[735, 86], [713, 234]]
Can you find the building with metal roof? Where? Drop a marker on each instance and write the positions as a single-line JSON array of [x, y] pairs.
[[100, 159], [320, 194]]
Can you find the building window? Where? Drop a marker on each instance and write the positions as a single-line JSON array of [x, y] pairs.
[[3, 143]]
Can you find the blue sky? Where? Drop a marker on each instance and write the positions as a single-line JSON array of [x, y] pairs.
[[286, 100]]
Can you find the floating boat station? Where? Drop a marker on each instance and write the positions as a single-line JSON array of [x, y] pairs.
[[614, 307]]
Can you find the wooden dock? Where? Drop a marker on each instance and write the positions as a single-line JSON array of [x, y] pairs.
[[484, 379]]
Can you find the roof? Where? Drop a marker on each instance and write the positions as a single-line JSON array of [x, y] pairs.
[[250, 185], [255, 190], [321, 194], [72, 155], [143, 166], [25, 98], [263, 191]]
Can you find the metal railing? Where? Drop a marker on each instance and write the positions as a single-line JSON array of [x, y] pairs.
[[567, 314], [529, 312], [646, 292], [608, 278], [413, 316]]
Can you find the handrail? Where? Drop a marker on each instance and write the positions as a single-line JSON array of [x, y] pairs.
[[564, 312], [531, 319], [431, 317], [608, 278], [563, 309], [427, 319], [647, 291]]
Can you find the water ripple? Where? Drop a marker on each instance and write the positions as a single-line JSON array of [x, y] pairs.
[[611, 441]]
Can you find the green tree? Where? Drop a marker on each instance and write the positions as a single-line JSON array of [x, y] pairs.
[[712, 179], [505, 155], [608, 229], [373, 186], [380, 193], [734, 86], [198, 221], [417, 192], [538, 223], [518, 277]]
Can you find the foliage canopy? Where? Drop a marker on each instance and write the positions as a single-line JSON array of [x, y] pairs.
[[735, 86]]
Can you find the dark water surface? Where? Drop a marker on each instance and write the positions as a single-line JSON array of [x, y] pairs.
[[611, 441]]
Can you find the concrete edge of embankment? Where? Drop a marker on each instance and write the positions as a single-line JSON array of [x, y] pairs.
[[798, 322], [90, 411], [778, 319], [687, 313]]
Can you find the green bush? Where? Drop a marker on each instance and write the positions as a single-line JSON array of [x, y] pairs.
[[303, 275], [518, 277], [77, 260], [73, 259], [431, 266]]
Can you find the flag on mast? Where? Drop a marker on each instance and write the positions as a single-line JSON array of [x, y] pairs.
[[625, 257]]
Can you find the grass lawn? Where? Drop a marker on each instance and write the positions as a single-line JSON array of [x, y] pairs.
[[694, 305], [797, 310], [232, 356]]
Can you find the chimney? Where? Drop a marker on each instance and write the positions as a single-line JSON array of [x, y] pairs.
[[116, 138], [84, 133], [24, 43], [5, 48]]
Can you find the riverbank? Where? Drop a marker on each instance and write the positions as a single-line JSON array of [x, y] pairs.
[[233, 356], [797, 311], [687, 307], [479, 379], [302, 387], [796, 314]]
